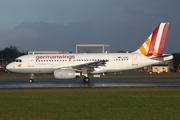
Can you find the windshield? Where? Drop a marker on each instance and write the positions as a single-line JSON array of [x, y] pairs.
[[17, 60]]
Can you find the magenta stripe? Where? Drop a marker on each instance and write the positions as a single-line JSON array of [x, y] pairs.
[[163, 39], [153, 40]]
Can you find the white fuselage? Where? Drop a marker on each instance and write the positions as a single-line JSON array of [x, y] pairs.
[[47, 63]]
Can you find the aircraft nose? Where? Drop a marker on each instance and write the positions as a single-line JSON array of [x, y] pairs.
[[9, 67]]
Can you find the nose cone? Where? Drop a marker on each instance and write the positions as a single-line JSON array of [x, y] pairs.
[[9, 67]]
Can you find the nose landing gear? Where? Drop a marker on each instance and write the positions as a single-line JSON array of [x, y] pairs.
[[31, 80]]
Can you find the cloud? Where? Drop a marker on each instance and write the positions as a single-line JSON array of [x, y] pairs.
[[114, 22]]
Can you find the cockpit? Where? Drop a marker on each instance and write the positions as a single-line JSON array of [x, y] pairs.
[[17, 60]]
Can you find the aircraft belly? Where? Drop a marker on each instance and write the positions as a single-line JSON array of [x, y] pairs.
[[33, 70]]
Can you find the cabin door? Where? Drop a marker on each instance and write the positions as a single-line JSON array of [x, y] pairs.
[[31, 61], [134, 60]]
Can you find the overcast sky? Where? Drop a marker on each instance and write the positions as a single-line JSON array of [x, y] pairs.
[[142, 16]]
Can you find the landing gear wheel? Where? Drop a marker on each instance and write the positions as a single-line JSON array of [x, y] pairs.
[[31, 80], [86, 80]]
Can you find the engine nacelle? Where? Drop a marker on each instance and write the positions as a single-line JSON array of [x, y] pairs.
[[65, 74]]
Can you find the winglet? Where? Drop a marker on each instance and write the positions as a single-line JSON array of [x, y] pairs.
[[154, 44]]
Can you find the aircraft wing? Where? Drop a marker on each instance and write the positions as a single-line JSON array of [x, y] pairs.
[[87, 66], [90, 65]]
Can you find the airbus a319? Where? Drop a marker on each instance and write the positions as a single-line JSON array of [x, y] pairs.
[[69, 66]]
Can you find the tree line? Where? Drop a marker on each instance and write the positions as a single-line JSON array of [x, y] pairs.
[[176, 60], [8, 54]]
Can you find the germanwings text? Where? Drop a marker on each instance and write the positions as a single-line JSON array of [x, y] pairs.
[[55, 57]]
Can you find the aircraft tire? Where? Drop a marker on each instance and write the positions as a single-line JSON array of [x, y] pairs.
[[86, 80], [31, 80]]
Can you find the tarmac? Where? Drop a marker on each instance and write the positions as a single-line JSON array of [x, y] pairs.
[[94, 83]]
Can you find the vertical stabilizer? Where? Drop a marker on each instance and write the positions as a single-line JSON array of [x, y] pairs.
[[154, 44]]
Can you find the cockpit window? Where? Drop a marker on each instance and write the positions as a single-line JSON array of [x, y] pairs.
[[17, 60]]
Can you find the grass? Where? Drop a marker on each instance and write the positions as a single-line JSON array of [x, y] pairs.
[[90, 103]]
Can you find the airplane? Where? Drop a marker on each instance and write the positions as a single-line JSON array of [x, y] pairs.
[[70, 66]]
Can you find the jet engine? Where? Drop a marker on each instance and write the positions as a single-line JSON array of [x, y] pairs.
[[65, 74]]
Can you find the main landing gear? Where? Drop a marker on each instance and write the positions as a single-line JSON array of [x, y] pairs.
[[31, 80], [86, 79]]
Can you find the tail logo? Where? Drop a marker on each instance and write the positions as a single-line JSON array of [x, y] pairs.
[[154, 44]]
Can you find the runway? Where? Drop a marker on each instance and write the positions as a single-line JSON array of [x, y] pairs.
[[94, 83]]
